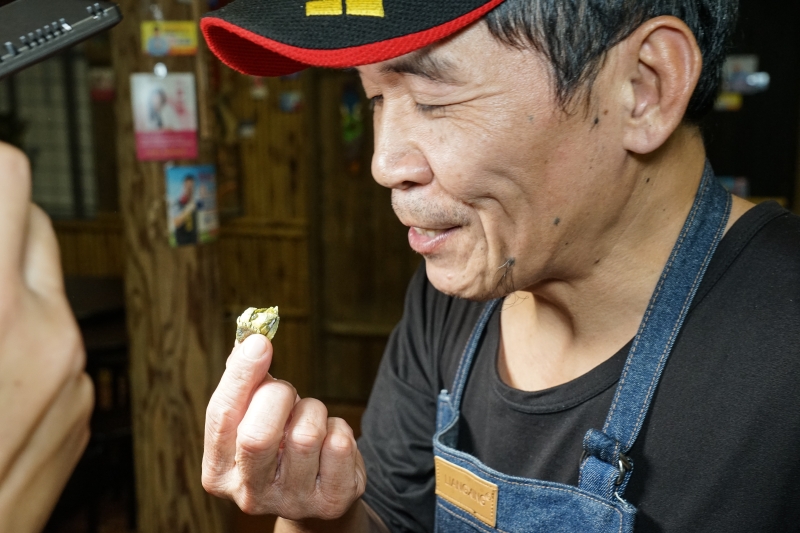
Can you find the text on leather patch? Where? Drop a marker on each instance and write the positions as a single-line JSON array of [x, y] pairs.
[[466, 491]]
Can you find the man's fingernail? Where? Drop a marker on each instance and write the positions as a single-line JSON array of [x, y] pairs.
[[254, 347]]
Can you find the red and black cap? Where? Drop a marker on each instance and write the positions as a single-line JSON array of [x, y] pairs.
[[277, 37]]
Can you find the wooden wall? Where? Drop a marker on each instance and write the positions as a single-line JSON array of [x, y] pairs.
[[316, 236], [365, 258], [304, 227], [264, 251], [314, 233], [295, 197], [91, 247], [176, 341]]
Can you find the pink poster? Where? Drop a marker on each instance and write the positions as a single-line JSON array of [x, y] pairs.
[[165, 116]]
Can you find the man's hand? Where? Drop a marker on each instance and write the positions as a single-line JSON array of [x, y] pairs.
[[273, 453], [45, 396]]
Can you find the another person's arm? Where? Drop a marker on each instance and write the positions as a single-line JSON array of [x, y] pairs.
[[45, 396]]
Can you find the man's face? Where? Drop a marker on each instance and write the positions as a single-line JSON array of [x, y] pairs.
[[500, 188]]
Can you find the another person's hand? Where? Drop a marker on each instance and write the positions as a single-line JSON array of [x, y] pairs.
[[274, 453], [45, 396]]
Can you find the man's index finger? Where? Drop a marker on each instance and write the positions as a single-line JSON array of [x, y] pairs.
[[245, 370]]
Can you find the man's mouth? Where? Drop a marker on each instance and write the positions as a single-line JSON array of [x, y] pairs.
[[428, 232], [427, 241]]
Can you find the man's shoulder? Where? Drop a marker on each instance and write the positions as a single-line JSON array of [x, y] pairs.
[[771, 257], [760, 256], [749, 302], [778, 230]]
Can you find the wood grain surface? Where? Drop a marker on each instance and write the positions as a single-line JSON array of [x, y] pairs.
[[303, 228], [366, 260], [177, 352], [91, 247], [264, 252]]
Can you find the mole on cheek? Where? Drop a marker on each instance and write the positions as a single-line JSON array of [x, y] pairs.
[[557, 221]]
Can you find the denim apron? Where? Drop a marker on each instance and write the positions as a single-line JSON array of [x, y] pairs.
[[471, 497]]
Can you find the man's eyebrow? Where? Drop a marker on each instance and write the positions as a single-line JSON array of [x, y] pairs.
[[424, 65]]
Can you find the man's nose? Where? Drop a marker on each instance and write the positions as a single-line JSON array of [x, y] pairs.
[[398, 161]]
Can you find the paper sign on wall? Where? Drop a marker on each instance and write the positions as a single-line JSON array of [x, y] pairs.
[[169, 38], [165, 116]]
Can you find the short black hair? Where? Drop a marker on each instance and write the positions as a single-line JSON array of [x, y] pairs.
[[575, 35]]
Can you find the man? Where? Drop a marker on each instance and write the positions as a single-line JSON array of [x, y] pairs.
[[636, 363], [46, 397]]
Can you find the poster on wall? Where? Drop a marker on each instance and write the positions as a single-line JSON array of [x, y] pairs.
[[164, 116], [169, 38], [191, 204]]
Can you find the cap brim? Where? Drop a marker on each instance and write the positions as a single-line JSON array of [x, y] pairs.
[[258, 55]]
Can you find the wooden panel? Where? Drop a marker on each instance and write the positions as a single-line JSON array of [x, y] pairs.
[[265, 253], [91, 248], [366, 260], [351, 364], [264, 270], [350, 413], [292, 345], [174, 318], [104, 139], [274, 158]]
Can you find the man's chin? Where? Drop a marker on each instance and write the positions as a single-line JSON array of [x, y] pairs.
[[461, 284]]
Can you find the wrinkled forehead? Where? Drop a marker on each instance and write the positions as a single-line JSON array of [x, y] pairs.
[[431, 63]]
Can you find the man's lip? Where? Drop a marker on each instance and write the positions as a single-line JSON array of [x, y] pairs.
[[426, 241], [430, 232]]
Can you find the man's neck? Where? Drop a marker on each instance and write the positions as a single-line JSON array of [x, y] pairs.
[[560, 329]]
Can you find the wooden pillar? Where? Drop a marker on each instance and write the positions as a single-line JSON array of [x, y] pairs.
[[177, 346]]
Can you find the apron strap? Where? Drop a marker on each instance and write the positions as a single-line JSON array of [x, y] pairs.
[[605, 469]]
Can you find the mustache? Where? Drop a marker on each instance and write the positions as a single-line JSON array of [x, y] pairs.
[[416, 209]]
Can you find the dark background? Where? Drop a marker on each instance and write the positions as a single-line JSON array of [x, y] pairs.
[[760, 142]]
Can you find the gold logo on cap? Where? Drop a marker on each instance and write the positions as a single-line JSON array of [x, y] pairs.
[[366, 8]]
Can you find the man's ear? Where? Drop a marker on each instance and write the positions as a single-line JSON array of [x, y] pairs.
[[662, 62]]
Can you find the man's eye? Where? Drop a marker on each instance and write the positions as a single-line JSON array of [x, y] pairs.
[[375, 101]]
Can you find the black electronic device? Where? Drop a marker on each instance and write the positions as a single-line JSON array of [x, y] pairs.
[[32, 30]]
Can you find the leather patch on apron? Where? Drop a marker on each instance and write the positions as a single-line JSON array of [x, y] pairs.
[[466, 491]]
